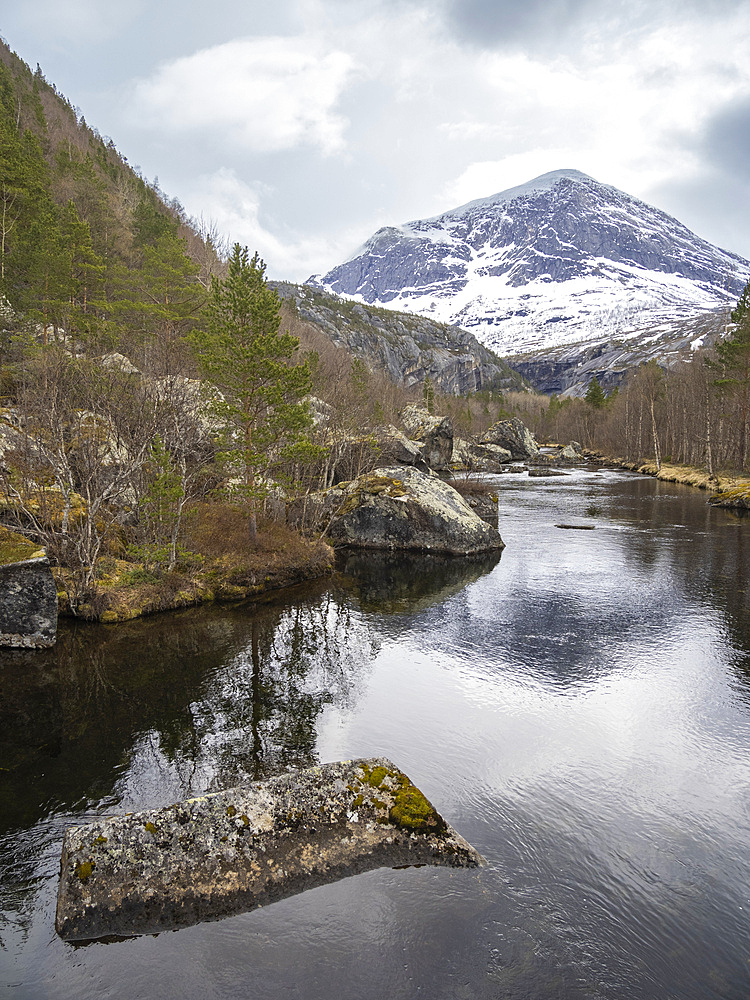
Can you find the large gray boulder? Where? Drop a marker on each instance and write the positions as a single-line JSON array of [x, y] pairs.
[[435, 434], [232, 851], [403, 508], [478, 457], [514, 435], [28, 595], [395, 446]]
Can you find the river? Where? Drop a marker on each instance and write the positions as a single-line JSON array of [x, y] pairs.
[[579, 709]]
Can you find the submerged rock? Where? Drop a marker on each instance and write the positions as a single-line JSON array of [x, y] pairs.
[[226, 853], [28, 595], [403, 508]]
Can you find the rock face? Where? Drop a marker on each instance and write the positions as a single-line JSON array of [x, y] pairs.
[[28, 596], [395, 446], [230, 852], [409, 348], [478, 457], [514, 435], [402, 508], [435, 433]]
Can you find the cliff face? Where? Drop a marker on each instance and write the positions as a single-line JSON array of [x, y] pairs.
[[569, 368], [408, 348]]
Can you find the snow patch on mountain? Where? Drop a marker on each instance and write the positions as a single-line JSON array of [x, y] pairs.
[[561, 259]]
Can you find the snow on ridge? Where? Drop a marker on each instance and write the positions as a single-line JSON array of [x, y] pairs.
[[544, 182], [543, 264]]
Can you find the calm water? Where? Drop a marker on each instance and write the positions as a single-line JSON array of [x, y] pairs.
[[579, 710]]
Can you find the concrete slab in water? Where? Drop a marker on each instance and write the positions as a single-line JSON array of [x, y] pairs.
[[232, 851]]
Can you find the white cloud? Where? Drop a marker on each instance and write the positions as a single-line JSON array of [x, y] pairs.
[[236, 207], [262, 94]]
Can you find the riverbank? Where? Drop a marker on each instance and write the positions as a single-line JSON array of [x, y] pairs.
[[728, 489], [279, 558]]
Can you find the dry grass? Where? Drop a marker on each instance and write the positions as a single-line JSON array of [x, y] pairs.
[[472, 487], [225, 564]]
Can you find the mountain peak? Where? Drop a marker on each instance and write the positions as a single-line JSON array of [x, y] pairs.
[[544, 182], [559, 260]]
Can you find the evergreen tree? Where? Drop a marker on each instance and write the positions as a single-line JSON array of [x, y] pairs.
[[595, 396], [732, 366], [242, 352], [743, 305]]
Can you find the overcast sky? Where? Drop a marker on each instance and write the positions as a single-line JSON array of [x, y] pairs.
[[300, 127]]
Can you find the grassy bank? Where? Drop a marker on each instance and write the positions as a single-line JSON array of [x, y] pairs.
[[220, 563]]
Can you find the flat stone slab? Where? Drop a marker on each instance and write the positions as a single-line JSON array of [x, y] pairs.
[[232, 851]]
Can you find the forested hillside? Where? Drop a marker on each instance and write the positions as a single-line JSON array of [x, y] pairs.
[[86, 244]]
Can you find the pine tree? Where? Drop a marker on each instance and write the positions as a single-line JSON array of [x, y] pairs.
[[595, 396], [733, 373], [242, 352]]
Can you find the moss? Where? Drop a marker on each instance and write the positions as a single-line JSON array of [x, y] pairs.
[[231, 811], [245, 819], [16, 548], [375, 776], [84, 870], [412, 811], [150, 828], [100, 839]]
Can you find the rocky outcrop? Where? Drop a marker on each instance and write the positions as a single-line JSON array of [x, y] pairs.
[[434, 433], [395, 446], [478, 457], [28, 596], [514, 435], [399, 508], [233, 851], [408, 348]]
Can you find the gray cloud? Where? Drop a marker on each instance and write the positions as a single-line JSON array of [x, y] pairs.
[[726, 139], [490, 23]]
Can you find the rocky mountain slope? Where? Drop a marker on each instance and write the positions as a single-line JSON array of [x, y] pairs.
[[408, 348], [561, 260]]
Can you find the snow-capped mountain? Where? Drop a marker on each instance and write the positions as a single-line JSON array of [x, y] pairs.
[[560, 260]]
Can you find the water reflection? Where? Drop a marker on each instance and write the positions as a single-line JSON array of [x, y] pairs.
[[578, 710], [394, 583]]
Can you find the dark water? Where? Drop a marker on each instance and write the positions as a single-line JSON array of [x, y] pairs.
[[579, 710]]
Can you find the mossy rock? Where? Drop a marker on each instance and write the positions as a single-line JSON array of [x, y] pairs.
[[17, 548]]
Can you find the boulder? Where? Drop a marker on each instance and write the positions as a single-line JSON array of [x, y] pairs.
[[478, 457], [28, 595], [395, 446], [232, 851], [435, 434], [514, 435], [572, 452], [403, 508]]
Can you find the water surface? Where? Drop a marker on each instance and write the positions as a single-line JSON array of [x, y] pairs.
[[578, 709]]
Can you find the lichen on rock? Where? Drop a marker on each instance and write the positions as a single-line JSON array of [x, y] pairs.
[[232, 851]]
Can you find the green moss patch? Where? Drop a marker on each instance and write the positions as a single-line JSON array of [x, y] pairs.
[[84, 870], [410, 809], [16, 548]]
